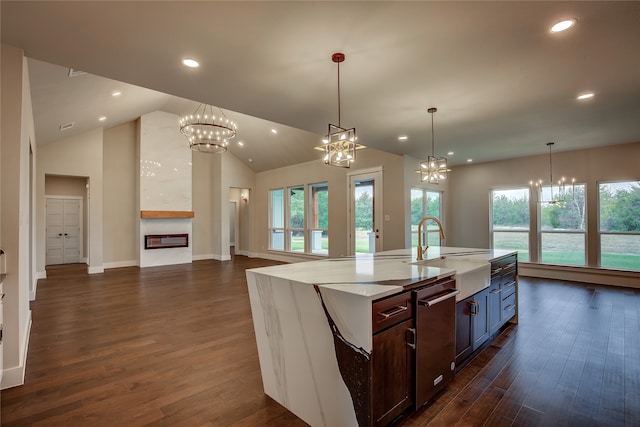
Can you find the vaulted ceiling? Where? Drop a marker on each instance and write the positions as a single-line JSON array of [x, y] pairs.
[[503, 84]]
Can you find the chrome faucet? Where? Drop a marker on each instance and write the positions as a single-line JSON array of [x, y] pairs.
[[422, 221]]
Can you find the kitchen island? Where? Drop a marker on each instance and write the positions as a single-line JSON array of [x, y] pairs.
[[315, 327]]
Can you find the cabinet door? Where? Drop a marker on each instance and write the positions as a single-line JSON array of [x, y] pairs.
[[392, 382], [464, 322], [480, 317], [495, 308]]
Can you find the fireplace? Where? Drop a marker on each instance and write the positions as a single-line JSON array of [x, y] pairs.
[[161, 241]]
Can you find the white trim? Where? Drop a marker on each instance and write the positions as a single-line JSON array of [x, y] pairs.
[[202, 257], [219, 257], [243, 253], [96, 270], [600, 276], [378, 216], [14, 377], [41, 274], [84, 260], [120, 264]]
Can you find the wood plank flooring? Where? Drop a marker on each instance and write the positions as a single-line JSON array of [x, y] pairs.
[[174, 346]]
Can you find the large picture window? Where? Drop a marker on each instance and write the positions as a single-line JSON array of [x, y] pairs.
[[619, 224], [425, 203], [562, 228], [510, 220], [289, 228]]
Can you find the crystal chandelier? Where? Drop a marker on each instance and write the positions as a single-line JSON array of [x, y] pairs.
[[560, 195], [340, 144], [206, 131], [434, 168]]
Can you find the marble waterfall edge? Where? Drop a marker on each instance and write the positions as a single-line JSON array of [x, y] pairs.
[[296, 349]]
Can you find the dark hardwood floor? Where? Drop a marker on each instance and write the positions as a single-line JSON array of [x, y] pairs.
[[174, 346]]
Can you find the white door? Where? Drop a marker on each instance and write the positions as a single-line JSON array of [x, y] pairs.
[[64, 222], [365, 207]]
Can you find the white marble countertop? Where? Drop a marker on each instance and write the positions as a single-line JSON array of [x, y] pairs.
[[374, 276]]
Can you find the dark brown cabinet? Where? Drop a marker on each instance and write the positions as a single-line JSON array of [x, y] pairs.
[[392, 358]]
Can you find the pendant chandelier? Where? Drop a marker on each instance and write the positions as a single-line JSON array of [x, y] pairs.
[[560, 194], [340, 144], [434, 168], [207, 131]]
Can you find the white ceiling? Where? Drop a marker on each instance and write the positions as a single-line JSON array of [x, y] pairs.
[[503, 85]]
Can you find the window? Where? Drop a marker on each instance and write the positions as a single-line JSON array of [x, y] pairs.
[[296, 219], [619, 224], [276, 219], [425, 203], [319, 218], [289, 229], [562, 228], [510, 220]]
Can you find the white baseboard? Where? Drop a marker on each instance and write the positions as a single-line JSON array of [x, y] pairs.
[[244, 253], [96, 270], [202, 257], [599, 276], [120, 264], [83, 260], [219, 257], [41, 275], [14, 376]]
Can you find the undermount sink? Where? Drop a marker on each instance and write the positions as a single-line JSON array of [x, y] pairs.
[[471, 276]]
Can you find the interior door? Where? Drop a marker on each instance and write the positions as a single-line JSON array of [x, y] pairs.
[[63, 231], [365, 219]]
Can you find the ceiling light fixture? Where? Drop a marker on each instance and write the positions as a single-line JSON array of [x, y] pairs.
[[102, 118], [550, 197], [434, 168], [403, 138], [563, 25], [274, 131], [190, 62], [116, 93], [584, 96], [206, 131], [340, 144]]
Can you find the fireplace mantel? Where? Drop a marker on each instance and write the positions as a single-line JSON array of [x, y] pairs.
[[166, 214]]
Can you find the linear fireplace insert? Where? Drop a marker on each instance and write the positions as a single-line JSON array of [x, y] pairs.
[[161, 241]]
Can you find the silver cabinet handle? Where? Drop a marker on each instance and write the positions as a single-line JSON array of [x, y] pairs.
[[430, 302], [413, 333], [397, 310]]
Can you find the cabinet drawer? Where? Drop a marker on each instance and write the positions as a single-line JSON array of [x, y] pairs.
[[509, 307], [389, 311], [509, 288]]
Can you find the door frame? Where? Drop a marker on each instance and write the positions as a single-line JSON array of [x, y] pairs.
[[82, 259], [378, 203]]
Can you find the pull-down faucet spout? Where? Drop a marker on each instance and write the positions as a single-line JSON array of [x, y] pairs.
[[422, 221]]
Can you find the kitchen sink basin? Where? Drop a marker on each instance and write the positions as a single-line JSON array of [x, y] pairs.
[[471, 276]]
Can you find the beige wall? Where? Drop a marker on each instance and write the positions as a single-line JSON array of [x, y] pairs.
[[316, 171], [120, 215], [70, 186], [17, 139], [468, 208], [202, 187], [79, 156]]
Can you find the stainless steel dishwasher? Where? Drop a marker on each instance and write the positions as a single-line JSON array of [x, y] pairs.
[[435, 323]]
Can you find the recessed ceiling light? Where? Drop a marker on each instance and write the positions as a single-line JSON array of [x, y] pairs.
[[563, 25], [250, 160], [116, 93], [241, 144], [469, 160], [586, 95], [450, 153], [190, 62], [102, 118], [403, 138], [274, 131]]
